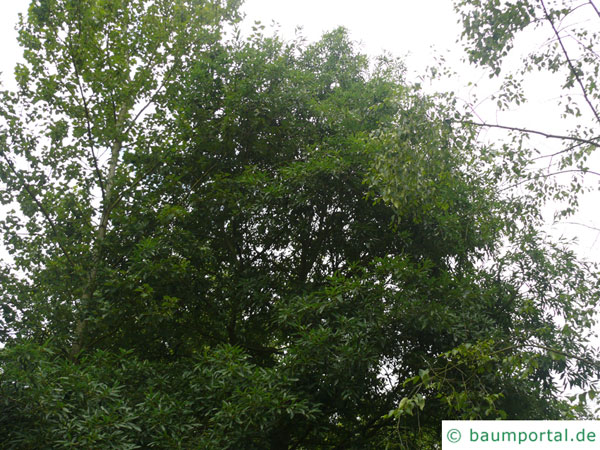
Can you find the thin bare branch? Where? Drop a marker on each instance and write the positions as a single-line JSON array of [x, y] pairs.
[[572, 68], [583, 225], [583, 45], [162, 85], [595, 8], [560, 152], [168, 75], [529, 131], [565, 354], [548, 175]]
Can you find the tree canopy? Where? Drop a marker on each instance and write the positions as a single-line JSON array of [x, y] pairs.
[[239, 242]]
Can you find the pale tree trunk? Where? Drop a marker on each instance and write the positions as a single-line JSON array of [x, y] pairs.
[[107, 207]]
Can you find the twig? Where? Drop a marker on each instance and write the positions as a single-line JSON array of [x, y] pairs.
[[583, 225], [569, 62], [595, 8], [529, 131], [547, 175]]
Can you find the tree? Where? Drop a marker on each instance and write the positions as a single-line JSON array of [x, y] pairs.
[[291, 247], [94, 85]]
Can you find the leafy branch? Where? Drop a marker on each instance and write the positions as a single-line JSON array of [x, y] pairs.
[[573, 70], [39, 204]]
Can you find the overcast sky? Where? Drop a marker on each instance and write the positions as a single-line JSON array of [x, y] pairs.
[[405, 28]]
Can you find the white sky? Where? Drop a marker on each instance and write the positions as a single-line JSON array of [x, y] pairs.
[[403, 27]]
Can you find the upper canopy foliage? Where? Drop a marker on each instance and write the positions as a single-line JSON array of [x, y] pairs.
[[250, 243]]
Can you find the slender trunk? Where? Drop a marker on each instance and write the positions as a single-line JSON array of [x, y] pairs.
[[107, 207]]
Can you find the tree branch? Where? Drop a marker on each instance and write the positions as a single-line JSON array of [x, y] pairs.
[[565, 354], [548, 175], [583, 225], [529, 131], [88, 123], [164, 81], [595, 8], [552, 155], [569, 62], [80, 326]]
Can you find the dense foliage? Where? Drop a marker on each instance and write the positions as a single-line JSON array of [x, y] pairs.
[[247, 243]]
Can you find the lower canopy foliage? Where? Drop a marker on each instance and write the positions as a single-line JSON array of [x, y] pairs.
[[314, 259]]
